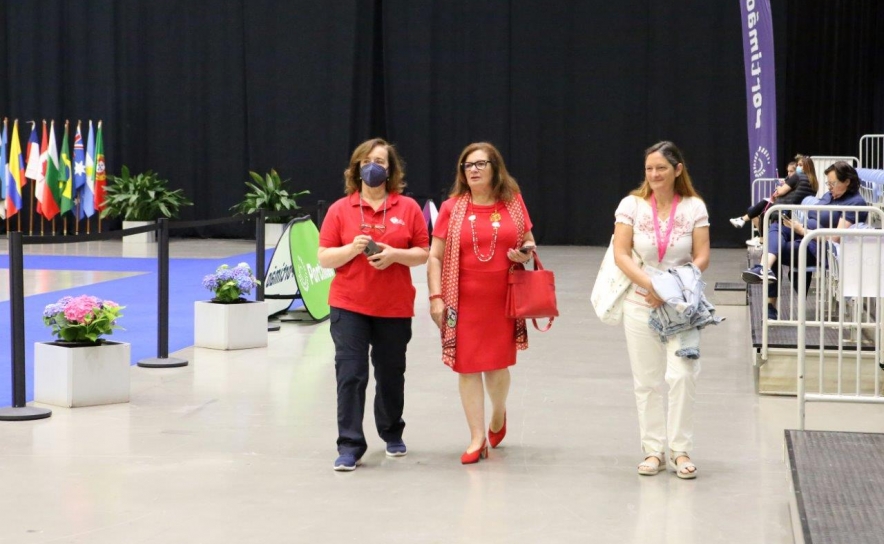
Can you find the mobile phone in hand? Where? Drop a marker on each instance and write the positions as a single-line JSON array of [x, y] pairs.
[[526, 249], [372, 249]]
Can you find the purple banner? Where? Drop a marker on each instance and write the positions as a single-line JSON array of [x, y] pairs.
[[761, 95]]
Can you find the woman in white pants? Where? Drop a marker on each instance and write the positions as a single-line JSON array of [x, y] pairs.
[[667, 224]]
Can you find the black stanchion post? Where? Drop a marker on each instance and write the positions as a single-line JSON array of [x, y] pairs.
[[259, 252], [19, 411], [162, 360]]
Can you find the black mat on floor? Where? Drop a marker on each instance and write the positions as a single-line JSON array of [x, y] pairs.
[[838, 479], [786, 336]]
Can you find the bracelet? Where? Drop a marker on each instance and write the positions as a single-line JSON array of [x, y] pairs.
[[432, 297]]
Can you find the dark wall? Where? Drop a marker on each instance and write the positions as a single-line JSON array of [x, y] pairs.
[[571, 91], [833, 66]]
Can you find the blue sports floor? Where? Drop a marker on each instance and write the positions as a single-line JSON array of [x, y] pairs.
[[138, 293]]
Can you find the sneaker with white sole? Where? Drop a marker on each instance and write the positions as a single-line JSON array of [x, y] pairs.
[[738, 222], [755, 275], [396, 448], [754, 242], [346, 462]]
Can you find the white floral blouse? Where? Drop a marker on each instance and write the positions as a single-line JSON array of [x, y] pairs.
[[637, 213]]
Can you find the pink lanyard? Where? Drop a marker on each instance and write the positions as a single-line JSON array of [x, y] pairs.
[[663, 243]]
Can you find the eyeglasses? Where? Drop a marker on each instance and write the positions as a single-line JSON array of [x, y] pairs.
[[478, 164], [366, 228]]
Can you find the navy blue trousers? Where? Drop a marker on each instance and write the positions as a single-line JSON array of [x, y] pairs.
[[384, 339]]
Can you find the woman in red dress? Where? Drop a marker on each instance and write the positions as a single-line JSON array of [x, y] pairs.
[[480, 232]]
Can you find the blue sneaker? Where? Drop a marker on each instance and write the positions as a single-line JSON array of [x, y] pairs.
[[756, 275], [346, 462], [772, 314], [396, 448]]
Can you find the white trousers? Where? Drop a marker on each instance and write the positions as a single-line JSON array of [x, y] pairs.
[[654, 366]]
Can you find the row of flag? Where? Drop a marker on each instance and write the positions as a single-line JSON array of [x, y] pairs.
[[62, 184]]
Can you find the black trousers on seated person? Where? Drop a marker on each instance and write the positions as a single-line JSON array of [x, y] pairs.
[[353, 334], [773, 289], [757, 209]]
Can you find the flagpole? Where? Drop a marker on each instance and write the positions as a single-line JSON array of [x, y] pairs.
[[98, 212], [31, 211], [31, 214]]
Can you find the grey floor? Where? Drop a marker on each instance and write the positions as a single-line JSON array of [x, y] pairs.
[[238, 446]]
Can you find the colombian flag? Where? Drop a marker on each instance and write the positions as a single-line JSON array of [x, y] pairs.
[[16, 174]]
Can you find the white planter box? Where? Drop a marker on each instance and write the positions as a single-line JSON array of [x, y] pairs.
[[230, 326], [81, 376], [272, 233], [143, 238]]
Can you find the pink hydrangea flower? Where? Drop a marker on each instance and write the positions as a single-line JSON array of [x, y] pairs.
[[80, 307]]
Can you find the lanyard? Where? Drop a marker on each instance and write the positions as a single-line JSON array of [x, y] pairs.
[[663, 243]]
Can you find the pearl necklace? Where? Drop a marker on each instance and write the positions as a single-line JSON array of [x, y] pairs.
[[495, 224]]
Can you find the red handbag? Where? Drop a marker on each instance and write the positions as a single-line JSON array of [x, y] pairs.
[[531, 294]]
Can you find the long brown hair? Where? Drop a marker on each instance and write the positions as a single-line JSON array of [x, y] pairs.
[[395, 167], [683, 185], [806, 162], [503, 185]]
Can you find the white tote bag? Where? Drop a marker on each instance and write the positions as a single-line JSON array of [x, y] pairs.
[[610, 288]]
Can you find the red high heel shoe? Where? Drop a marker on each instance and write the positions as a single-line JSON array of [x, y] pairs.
[[497, 437], [470, 457]]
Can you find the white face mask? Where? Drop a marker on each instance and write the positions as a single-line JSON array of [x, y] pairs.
[[799, 170]]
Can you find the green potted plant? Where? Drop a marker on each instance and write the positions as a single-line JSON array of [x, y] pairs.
[[269, 193], [141, 199]]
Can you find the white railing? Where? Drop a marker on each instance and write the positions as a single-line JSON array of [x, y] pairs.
[[871, 151], [825, 302], [762, 188], [850, 371]]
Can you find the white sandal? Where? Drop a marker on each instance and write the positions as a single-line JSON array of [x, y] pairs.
[[682, 469], [650, 469]]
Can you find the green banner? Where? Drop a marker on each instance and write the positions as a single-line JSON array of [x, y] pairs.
[[313, 280]]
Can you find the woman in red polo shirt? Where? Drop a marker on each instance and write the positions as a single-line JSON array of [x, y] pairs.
[[371, 237]]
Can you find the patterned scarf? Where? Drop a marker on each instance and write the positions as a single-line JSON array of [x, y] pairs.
[[451, 276]]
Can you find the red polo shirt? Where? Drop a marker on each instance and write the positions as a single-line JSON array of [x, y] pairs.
[[357, 286]]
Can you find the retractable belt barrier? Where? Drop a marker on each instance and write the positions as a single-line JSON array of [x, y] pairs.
[[19, 411]]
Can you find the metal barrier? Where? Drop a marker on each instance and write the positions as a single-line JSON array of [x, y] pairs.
[[871, 151], [852, 371], [788, 273], [762, 188]]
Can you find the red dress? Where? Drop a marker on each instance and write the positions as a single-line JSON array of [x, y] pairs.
[[486, 338]]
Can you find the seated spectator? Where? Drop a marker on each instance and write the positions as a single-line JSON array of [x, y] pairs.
[[843, 183], [800, 182]]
